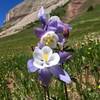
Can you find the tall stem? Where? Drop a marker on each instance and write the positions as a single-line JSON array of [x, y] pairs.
[[65, 88], [66, 93]]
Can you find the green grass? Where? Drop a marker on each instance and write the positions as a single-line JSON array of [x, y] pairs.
[[86, 23], [17, 84]]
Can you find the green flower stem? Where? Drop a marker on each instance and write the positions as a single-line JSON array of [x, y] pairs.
[[66, 93], [65, 88]]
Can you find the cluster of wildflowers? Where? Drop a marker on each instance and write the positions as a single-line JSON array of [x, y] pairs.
[[49, 54], [87, 39]]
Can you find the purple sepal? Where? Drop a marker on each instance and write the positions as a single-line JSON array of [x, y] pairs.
[[50, 28], [52, 23], [64, 56], [43, 20], [61, 74], [60, 27], [61, 37], [30, 66], [45, 76], [39, 32], [65, 78]]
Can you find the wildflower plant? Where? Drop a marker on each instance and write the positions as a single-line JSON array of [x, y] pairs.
[[49, 54]]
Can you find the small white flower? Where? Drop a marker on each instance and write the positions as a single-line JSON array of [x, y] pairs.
[[45, 57], [49, 39]]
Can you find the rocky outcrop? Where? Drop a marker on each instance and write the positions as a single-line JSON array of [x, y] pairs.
[[29, 6], [26, 12], [20, 10], [74, 8], [77, 7]]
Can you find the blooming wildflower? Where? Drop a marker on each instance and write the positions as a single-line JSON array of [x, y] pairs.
[[49, 39], [52, 24], [52, 34], [47, 63], [45, 57]]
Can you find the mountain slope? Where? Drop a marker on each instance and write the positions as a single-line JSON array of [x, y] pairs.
[[26, 13]]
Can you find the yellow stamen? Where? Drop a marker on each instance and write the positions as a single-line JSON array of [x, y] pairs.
[[49, 40], [46, 43], [45, 57]]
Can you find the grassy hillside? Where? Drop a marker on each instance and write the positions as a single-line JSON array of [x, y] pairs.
[[17, 84]]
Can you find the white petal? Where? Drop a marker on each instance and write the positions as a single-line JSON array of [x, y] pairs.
[[37, 54], [46, 50], [54, 59], [38, 63]]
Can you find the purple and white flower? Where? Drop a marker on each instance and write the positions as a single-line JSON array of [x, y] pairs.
[[47, 64], [52, 24], [50, 39]]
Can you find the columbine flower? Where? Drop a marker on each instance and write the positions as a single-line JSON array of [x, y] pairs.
[[52, 24], [46, 63], [49, 39]]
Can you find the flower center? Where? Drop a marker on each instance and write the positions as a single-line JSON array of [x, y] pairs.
[[45, 57], [49, 39]]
